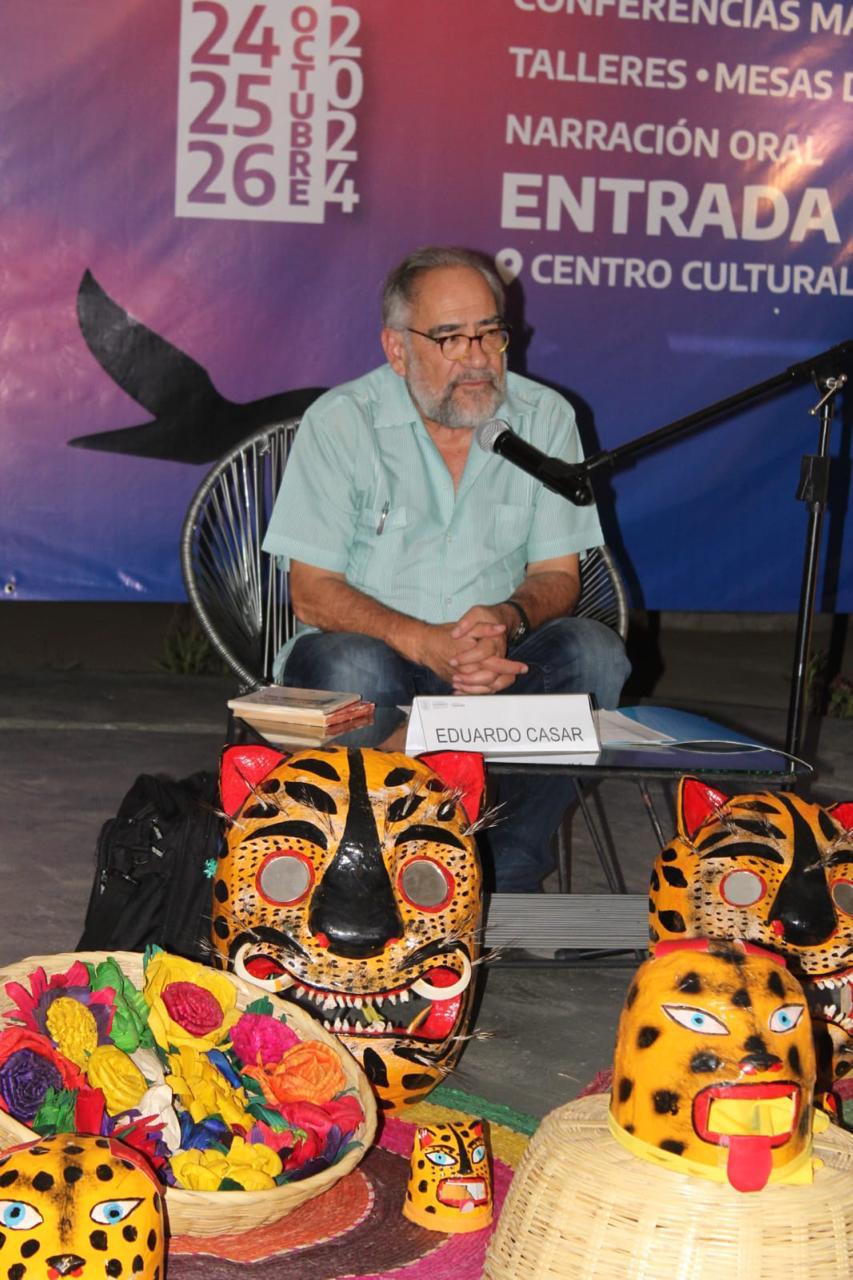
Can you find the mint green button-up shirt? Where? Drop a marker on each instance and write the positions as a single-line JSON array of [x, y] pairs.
[[366, 493]]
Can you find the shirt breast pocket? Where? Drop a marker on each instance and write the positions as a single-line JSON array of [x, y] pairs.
[[379, 544], [508, 528]]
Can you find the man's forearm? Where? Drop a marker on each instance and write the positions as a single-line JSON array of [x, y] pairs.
[[331, 604]]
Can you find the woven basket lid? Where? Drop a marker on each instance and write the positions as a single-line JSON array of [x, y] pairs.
[[581, 1207]]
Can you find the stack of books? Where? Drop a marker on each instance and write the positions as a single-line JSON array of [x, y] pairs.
[[292, 717]]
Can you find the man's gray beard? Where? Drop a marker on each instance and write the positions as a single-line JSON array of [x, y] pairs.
[[447, 414]]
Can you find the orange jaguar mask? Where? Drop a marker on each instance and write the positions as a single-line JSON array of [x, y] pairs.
[[714, 1067], [350, 884], [775, 870], [79, 1206]]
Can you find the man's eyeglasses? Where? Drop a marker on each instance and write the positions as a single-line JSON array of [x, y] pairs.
[[456, 346]]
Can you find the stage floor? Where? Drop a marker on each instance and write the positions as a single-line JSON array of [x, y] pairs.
[[72, 742]]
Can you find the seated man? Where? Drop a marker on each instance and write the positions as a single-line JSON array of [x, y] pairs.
[[421, 565]]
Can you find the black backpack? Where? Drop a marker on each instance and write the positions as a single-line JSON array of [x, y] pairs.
[[153, 869]]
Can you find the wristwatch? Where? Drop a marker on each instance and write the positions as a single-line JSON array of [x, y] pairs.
[[523, 628]]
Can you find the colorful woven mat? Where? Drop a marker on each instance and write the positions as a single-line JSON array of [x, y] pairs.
[[357, 1229]]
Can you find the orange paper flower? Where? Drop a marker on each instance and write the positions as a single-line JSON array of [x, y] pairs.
[[309, 1072]]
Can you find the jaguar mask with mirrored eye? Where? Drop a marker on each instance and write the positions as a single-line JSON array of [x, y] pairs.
[[350, 883]]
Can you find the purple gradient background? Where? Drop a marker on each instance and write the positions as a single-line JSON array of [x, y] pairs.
[[87, 178]]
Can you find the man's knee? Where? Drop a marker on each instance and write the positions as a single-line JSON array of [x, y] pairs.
[[602, 660], [586, 657]]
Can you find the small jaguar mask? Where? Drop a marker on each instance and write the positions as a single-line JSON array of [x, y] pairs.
[[777, 871], [350, 884], [714, 1067], [450, 1184], [79, 1206]]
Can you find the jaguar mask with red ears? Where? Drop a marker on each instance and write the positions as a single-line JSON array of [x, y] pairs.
[[775, 870], [350, 884]]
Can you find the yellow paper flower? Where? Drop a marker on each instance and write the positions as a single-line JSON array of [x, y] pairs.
[[72, 1027], [190, 1003], [193, 1172], [252, 1165], [255, 1155], [119, 1079], [204, 1091]]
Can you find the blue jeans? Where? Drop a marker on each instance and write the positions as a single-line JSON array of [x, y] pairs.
[[566, 655]]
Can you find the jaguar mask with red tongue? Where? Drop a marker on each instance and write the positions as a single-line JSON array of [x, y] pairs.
[[350, 884], [714, 1068]]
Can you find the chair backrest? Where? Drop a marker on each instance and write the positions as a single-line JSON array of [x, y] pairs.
[[240, 594]]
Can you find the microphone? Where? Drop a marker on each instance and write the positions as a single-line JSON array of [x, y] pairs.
[[566, 478]]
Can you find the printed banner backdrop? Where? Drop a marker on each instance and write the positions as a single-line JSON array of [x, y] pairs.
[[201, 199]]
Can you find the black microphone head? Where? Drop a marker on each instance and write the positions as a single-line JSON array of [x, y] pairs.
[[488, 433]]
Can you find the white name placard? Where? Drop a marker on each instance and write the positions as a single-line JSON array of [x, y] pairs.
[[532, 724]]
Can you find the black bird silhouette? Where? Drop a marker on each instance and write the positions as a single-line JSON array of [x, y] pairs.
[[192, 422]]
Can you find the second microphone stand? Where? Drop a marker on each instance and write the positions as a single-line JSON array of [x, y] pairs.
[[825, 370]]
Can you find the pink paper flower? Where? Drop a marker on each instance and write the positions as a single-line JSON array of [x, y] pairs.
[[258, 1039], [192, 1007]]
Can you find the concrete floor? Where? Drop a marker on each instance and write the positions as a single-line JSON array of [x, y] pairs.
[[74, 740]]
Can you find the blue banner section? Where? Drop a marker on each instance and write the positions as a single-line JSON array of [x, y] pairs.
[[201, 201]]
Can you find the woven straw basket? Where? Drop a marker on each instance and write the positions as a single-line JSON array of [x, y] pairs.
[[581, 1207], [210, 1213]]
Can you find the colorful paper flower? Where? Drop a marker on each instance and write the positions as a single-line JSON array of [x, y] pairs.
[[129, 1028], [204, 1091], [337, 1120], [156, 1107], [189, 1004], [89, 1111], [33, 1006], [29, 1066], [251, 1166], [149, 1064], [144, 1135], [72, 1027], [25, 1078], [309, 1072], [118, 1078], [70, 1111], [258, 1039], [210, 1132], [56, 1113]]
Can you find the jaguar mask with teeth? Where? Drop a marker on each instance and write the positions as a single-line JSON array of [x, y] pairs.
[[350, 884], [775, 870]]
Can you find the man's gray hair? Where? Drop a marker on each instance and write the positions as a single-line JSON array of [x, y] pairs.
[[401, 283]]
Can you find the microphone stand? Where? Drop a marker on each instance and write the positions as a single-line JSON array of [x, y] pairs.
[[825, 370]]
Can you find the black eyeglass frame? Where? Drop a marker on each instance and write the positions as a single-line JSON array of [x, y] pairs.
[[477, 337]]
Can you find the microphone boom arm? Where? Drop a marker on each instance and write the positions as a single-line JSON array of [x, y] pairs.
[[573, 479]]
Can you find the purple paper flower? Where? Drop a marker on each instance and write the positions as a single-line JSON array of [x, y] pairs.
[[25, 1078]]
